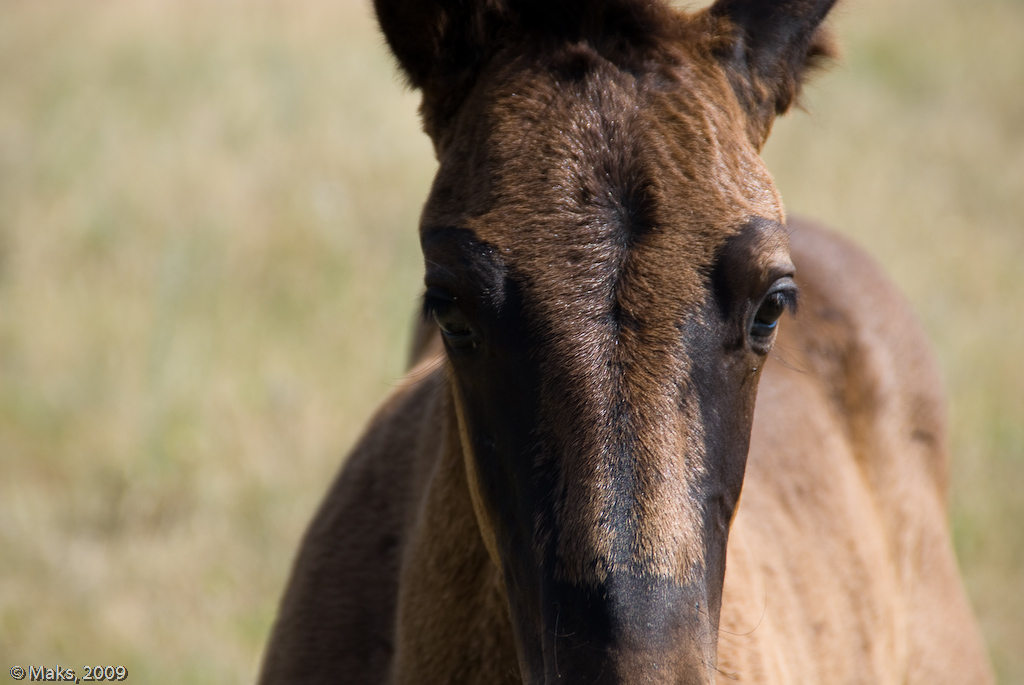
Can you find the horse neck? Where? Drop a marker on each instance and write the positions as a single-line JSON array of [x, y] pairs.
[[452, 607]]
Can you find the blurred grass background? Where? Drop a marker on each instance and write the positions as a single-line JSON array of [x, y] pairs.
[[208, 269]]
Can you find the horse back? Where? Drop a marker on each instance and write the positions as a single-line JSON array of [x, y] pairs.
[[839, 565]]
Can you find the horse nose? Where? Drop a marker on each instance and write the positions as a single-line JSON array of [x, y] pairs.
[[630, 629]]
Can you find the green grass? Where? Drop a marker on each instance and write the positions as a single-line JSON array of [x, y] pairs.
[[208, 268]]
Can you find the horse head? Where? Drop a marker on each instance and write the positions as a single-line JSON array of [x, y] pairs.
[[607, 262]]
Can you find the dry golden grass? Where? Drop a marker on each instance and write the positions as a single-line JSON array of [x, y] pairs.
[[208, 267]]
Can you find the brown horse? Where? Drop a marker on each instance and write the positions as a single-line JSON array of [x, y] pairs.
[[608, 274]]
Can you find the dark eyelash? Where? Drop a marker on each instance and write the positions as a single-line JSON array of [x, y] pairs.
[[434, 301], [428, 307], [790, 299]]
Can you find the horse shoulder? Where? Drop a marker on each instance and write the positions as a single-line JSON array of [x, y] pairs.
[[336, 620]]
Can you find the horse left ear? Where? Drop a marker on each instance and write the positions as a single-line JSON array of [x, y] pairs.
[[767, 48]]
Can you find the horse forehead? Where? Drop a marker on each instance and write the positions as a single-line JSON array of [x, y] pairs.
[[544, 158], [601, 132]]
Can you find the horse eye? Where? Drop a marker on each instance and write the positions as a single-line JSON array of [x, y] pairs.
[[452, 322], [449, 318], [768, 315], [770, 311]]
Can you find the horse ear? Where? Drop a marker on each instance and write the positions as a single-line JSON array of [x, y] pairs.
[[767, 49], [442, 44], [430, 37], [439, 44]]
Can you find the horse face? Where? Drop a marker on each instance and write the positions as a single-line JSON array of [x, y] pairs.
[[606, 261]]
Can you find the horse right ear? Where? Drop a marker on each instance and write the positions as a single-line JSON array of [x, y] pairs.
[[440, 45]]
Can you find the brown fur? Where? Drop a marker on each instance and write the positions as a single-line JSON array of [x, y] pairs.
[[554, 494]]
